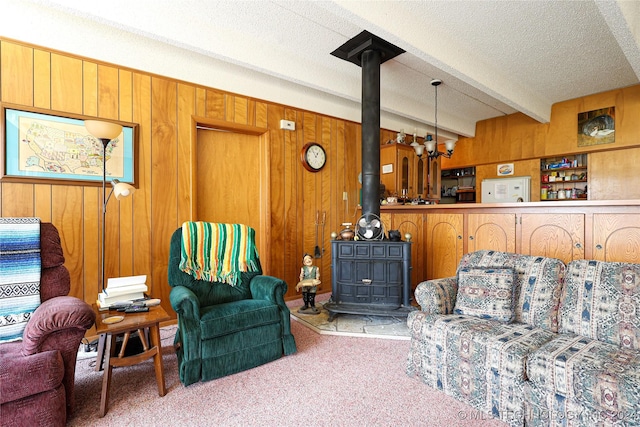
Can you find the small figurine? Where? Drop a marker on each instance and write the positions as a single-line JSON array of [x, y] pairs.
[[309, 282]]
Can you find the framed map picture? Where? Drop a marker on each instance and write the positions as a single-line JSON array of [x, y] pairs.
[[46, 145]]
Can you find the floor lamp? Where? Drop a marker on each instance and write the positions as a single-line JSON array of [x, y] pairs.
[[106, 132]]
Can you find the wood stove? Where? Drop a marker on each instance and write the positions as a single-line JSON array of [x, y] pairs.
[[370, 276]]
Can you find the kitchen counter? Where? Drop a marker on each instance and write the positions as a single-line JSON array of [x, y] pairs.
[[607, 230], [525, 206]]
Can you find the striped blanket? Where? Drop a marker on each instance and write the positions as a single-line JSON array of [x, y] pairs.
[[218, 252], [19, 274]]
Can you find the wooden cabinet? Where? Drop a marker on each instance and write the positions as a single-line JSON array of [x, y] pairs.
[[553, 235], [494, 231], [442, 234], [402, 172], [398, 169], [443, 244], [433, 178], [616, 237]]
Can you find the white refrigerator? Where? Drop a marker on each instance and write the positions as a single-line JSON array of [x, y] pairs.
[[506, 190]]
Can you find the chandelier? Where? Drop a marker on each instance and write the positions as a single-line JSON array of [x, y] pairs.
[[431, 145]]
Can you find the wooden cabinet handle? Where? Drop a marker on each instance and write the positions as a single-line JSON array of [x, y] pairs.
[[598, 247], [470, 237]]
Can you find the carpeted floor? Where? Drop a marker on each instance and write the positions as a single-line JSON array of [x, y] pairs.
[[330, 381], [350, 325]]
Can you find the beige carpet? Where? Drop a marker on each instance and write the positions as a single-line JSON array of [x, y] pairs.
[[330, 382], [350, 324]]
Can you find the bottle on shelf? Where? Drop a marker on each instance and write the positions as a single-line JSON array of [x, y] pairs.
[[562, 178]]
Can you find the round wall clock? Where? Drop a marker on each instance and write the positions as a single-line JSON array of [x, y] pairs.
[[313, 157]]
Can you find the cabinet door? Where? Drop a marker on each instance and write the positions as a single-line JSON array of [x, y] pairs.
[[389, 169], [433, 187], [444, 244], [406, 164], [616, 237], [421, 177], [404, 167], [553, 235], [398, 169], [491, 231]]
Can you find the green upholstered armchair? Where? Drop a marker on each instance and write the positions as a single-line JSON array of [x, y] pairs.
[[225, 329]]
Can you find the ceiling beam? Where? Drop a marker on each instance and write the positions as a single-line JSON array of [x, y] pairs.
[[441, 51], [623, 19]]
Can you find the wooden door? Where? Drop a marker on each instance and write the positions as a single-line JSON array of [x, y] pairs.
[[491, 231], [616, 237], [228, 183], [553, 235], [444, 244]]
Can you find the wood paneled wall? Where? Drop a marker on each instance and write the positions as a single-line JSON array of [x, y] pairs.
[[520, 168], [518, 137], [139, 227]]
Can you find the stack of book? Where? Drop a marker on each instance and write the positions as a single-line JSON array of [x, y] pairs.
[[122, 290]]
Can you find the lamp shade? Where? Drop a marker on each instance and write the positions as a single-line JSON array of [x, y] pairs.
[[419, 148], [103, 130], [449, 145], [431, 146], [122, 189]]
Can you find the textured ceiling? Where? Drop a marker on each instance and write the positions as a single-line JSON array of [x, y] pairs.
[[494, 57]]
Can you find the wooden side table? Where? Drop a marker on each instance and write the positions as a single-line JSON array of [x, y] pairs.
[[132, 322]]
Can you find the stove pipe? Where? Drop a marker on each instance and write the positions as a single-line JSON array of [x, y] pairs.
[[369, 52], [371, 132]]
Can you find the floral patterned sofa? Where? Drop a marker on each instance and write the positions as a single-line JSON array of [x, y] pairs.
[[531, 341]]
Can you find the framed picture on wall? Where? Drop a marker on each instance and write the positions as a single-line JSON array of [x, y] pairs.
[[597, 127], [52, 147], [505, 169]]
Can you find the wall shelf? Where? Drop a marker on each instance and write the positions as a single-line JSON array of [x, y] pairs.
[[567, 182]]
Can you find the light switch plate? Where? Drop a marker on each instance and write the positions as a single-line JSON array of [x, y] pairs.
[[287, 125]]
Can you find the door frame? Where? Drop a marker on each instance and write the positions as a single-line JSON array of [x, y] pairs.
[[264, 204]]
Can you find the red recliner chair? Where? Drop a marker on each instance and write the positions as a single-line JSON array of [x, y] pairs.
[[37, 373]]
